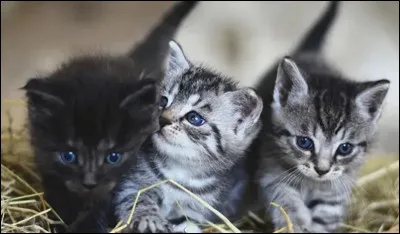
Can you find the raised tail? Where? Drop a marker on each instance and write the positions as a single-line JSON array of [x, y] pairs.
[[151, 52], [314, 39]]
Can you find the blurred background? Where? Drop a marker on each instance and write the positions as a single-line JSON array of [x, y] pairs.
[[240, 39]]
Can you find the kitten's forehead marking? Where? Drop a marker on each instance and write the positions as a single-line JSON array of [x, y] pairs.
[[105, 144], [194, 99]]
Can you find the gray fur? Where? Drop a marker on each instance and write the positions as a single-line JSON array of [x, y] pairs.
[[331, 110], [207, 159]]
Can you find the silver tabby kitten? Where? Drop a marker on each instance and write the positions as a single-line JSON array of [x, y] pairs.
[[321, 128], [207, 125]]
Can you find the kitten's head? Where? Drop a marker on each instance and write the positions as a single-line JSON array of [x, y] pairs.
[[206, 119], [88, 119], [324, 124]]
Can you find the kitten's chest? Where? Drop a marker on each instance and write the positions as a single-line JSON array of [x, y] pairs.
[[312, 192], [177, 202]]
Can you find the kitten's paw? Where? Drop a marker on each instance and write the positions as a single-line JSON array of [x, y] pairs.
[[300, 224], [149, 223], [187, 227]]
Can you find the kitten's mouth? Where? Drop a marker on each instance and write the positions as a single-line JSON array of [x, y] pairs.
[[162, 136]]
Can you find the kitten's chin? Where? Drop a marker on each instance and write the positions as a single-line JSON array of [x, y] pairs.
[[172, 149]]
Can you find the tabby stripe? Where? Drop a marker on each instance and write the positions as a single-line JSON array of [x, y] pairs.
[[319, 220], [326, 220], [197, 102], [217, 135], [206, 107], [313, 203], [203, 190], [127, 200], [318, 108], [211, 154], [345, 115], [195, 135], [154, 168], [362, 144], [178, 220]]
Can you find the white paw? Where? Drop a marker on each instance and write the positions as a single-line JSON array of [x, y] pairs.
[[187, 227]]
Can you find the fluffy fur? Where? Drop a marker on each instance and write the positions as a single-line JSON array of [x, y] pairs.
[[206, 159], [90, 110], [314, 116]]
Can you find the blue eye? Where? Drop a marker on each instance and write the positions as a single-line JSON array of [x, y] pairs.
[[345, 149], [68, 157], [304, 143], [163, 101], [194, 118], [113, 158]]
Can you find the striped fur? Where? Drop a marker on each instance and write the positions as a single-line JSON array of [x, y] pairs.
[[327, 109], [304, 96], [207, 159]]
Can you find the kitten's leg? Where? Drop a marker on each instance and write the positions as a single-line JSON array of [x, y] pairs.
[[146, 217], [290, 200], [94, 220], [326, 215], [53, 194]]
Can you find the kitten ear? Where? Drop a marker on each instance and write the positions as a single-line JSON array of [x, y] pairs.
[[40, 99], [248, 106], [39, 89], [371, 97], [177, 63], [290, 85], [145, 96]]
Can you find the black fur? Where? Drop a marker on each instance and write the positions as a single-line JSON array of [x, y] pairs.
[[94, 105]]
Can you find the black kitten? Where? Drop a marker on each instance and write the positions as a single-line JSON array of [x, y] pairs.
[[88, 119]]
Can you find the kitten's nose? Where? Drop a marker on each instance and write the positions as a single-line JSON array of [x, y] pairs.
[[164, 122], [321, 172], [90, 186], [89, 181]]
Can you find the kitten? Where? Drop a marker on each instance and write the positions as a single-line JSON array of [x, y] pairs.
[[318, 127], [88, 119], [207, 125]]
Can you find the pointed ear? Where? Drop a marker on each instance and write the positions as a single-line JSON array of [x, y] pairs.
[[177, 63], [40, 89], [247, 105], [142, 98], [41, 101], [290, 85], [371, 97]]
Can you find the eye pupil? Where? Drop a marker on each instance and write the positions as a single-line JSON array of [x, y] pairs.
[[163, 101], [194, 118], [68, 157], [304, 143], [113, 158]]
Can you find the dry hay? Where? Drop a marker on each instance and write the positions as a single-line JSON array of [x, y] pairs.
[[374, 206]]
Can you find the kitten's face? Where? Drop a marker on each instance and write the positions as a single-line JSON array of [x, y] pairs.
[[205, 117], [324, 124], [88, 119]]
